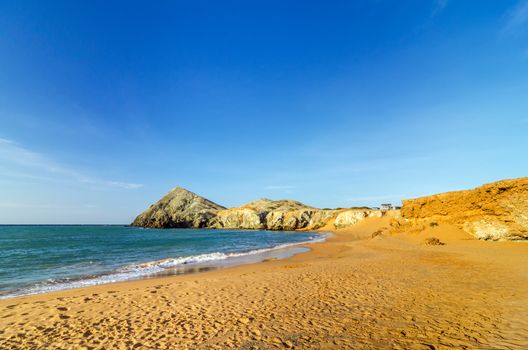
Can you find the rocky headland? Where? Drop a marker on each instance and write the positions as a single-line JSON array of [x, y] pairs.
[[181, 208], [495, 211]]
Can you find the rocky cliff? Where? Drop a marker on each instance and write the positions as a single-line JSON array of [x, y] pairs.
[[183, 209], [273, 215], [494, 211]]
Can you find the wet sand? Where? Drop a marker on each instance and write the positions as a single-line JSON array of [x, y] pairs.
[[350, 292]]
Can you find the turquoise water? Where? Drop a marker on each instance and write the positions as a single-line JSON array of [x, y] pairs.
[[37, 259]]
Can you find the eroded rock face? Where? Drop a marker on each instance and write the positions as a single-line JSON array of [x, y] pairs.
[[353, 216], [289, 220], [238, 218], [268, 214], [497, 211]]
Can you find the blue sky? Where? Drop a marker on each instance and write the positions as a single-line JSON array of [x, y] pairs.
[[105, 107]]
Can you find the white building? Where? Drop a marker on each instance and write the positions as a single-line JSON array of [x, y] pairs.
[[387, 206]]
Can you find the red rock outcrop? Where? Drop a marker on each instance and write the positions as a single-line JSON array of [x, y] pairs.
[[496, 211]]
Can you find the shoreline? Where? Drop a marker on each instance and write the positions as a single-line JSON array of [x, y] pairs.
[[351, 291], [176, 266], [197, 269]]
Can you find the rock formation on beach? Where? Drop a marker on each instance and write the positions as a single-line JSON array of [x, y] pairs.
[[183, 209], [495, 211]]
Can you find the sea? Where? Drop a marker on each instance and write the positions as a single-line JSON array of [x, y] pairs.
[[43, 258]]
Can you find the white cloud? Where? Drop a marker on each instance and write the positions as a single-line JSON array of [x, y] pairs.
[[123, 184], [13, 153], [5, 141], [17, 205], [439, 7], [517, 18]]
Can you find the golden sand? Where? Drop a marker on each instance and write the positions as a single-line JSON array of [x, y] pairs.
[[351, 292]]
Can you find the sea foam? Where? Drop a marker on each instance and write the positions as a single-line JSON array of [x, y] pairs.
[[165, 266]]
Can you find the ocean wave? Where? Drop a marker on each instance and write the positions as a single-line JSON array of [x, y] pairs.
[[152, 268]]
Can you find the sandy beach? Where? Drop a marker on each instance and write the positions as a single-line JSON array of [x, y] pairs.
[[353, 291]]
